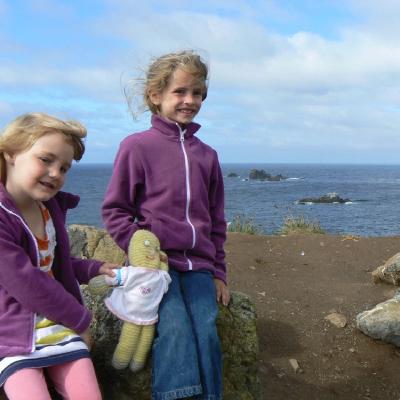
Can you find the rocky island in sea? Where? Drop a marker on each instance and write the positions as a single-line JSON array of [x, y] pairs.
[[261, 175], [325, 199]]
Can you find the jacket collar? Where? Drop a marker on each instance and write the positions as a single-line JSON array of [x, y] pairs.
[[171, 128], [6, 200]]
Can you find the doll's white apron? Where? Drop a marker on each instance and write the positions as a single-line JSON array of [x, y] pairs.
[[138, 298]]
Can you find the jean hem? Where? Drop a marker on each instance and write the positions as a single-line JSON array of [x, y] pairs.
[[178, 393]]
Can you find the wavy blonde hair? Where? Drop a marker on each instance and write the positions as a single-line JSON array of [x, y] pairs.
[[158, 75], [20, 135]]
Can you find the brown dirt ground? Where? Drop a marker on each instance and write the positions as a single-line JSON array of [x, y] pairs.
[[294, 292]]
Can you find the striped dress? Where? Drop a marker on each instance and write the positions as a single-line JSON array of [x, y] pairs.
[[54, 343]]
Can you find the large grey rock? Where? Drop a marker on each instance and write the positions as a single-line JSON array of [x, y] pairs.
[[236, 326], [89, 242], [388, 272], [383, 321]]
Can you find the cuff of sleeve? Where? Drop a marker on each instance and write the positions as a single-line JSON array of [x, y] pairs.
[[84, 323], [119, 278], [218, 274], [94, 268]]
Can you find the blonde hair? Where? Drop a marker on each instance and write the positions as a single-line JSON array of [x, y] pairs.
[[158, 75], [21, 134]]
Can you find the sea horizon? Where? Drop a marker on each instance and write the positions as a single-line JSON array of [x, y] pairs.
[[374, 190], [90, 163]]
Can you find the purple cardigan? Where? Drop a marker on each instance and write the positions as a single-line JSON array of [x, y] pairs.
[[168, 181], [25, 289]]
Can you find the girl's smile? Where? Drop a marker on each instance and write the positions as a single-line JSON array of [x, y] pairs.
[[38, 173], [181, 100]]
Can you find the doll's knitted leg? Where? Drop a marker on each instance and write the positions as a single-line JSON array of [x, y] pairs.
[[143, 348], [128, 341], [98, 285]]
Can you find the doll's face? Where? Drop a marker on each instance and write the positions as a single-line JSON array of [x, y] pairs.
[[146, 250]]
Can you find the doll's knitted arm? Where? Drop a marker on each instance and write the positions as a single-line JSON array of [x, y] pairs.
[[101, 283], [98, 285], [163, 261]]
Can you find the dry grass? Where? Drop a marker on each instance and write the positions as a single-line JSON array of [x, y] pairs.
[[243, 224], [300, 224]]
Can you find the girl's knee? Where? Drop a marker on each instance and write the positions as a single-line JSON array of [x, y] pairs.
[[27, 383], [76, 380], [175, 332], [174, 322]]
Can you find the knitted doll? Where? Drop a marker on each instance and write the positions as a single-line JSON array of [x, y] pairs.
[[138, 290]]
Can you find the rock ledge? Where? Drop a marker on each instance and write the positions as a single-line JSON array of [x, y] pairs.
[[236, 326]]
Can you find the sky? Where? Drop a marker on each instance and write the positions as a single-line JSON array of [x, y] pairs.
[[291, 81]]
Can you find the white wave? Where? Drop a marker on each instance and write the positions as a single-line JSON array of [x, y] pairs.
[[307, 203]]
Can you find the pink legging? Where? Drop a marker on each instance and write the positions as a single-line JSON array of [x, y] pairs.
[[75, 380]]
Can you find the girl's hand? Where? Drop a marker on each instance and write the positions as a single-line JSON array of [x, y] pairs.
[[87, 338], [107, 269], [223, 295]]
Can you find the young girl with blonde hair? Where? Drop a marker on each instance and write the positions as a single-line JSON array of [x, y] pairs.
[[43, 322], [168, 181]]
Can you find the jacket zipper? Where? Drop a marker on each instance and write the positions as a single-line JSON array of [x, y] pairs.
[[188, 193], [33, 345]]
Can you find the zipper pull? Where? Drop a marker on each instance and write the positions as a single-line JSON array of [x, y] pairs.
[[181, 133]]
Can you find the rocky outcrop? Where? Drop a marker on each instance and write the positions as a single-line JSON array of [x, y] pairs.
[[325, 199], [261, 175], [236, 326], [383, 321], [388, 272]]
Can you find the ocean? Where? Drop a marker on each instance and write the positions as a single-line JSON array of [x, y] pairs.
[[374, 191]]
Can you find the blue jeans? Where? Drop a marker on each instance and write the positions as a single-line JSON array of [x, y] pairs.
[[186, 350]]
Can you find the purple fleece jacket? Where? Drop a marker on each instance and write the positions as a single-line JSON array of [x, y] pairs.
[[25, 289], [168, 181]]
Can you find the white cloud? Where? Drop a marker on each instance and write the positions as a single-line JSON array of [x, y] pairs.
[[88, 81], [310, 63], [381, 17], [269, 90], [245, 54]]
